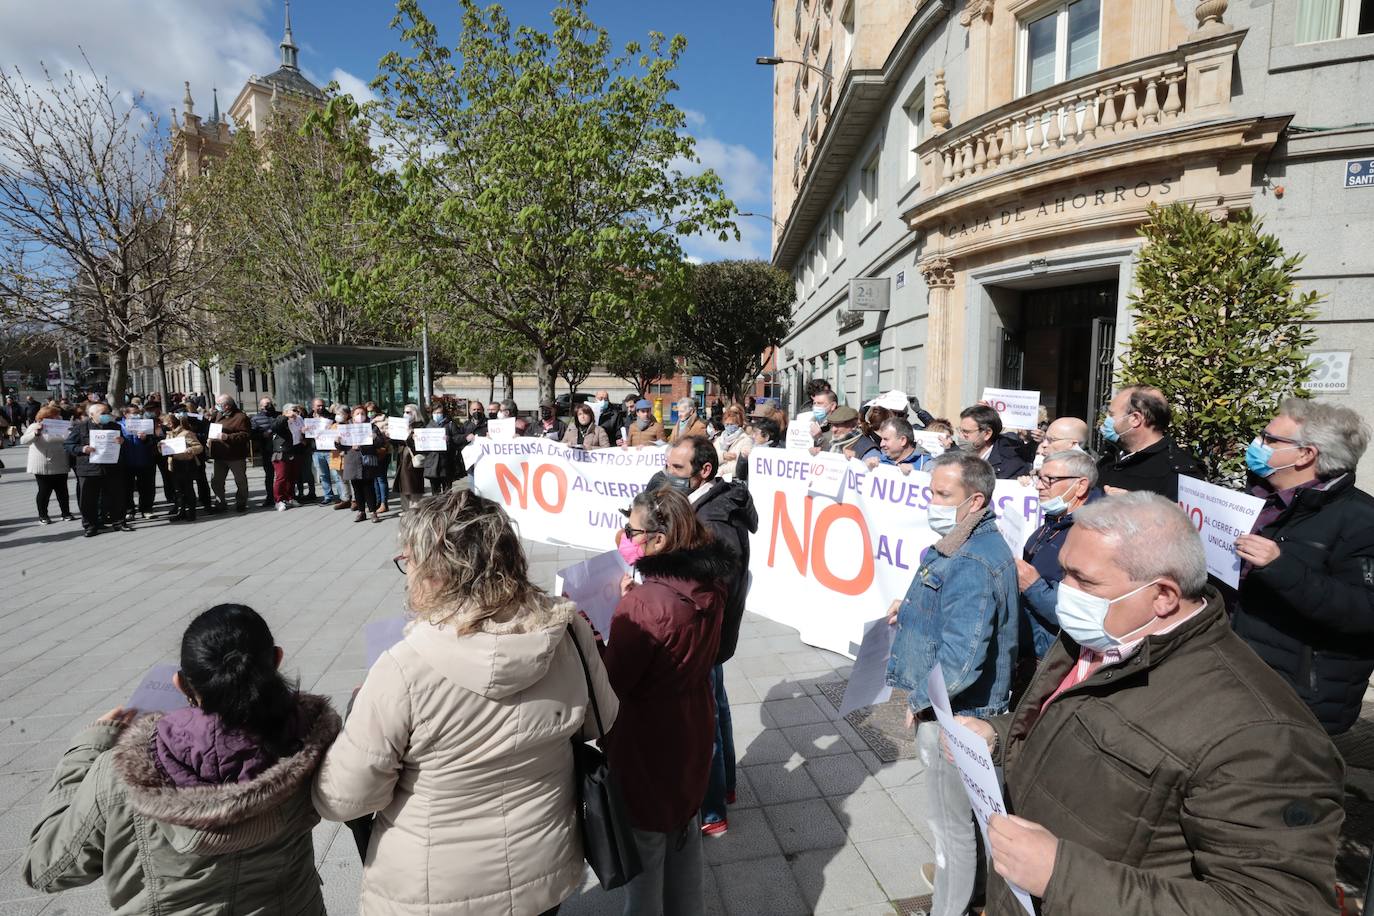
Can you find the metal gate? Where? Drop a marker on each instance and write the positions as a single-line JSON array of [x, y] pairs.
[[1100, 375], [1013, 360]]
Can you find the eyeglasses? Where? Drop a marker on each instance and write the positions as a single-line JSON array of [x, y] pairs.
[[632, 532], [401, 562], [1041, 481], [1267, 438]]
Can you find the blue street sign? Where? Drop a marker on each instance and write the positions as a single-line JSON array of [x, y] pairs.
[[1359, 173]]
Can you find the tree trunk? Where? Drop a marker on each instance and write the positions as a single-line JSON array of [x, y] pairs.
[[508, 386], [119, 376], [546, 374], [491, 388], [161, 368]]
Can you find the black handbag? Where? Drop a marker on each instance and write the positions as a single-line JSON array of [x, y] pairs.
[[608, 840]]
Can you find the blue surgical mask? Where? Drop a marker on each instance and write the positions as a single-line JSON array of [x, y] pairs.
[[1108, 430], [731, 428], [437, 417], [1084, 617], [819, 414], [1055, 505], [1257, 458], [106, 419]]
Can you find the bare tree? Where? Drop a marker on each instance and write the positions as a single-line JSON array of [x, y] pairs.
[[91, 220]]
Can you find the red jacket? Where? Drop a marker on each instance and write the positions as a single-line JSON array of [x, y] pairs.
[[663, 642]]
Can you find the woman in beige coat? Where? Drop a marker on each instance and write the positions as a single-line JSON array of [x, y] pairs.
[[460, 739]]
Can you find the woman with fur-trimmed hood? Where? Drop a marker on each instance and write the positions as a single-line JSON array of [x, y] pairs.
[[205, 808], [460, 739]]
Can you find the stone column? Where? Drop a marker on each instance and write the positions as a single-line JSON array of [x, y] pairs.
[[940, 387]]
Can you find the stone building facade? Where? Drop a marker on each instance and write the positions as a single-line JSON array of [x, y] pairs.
[[959, 185], [196, 143]]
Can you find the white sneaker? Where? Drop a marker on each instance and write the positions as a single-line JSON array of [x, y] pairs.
[[281, 507]]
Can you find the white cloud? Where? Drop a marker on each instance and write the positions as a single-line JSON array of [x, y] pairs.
[[147, 46], [355, 86], [748, 182]]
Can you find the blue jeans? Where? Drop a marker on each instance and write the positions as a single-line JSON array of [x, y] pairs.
[[721, 782], [329, 478], [380, 481]]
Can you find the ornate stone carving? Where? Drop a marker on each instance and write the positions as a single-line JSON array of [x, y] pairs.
[[1209, 13], [938, 273], [975, 9], [939, 104]]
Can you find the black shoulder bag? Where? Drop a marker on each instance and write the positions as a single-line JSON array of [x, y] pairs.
[[608, 841]]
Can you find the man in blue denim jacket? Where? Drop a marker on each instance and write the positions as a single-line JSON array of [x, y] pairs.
[[960, 611]]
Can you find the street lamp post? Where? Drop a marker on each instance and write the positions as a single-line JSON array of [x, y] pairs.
[[774, 61]]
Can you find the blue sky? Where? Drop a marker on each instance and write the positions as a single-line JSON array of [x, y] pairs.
[[153, 45]]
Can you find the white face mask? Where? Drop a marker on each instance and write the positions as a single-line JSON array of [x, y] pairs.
[[942, 519], [1084, 617]]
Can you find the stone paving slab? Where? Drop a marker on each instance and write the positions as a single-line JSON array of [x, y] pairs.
[[820, 826]]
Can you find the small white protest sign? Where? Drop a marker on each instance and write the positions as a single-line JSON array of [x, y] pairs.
[[430, 439], [828, 475], [355, 434], [156, 692], [1221, 516], [325, 440], [397, 428], [594, 585], [106, 445], [216, 431], [1018, 409], [313, 426], [503, 428], [172, 445], [975, 766], [56, 428], [868, 680], [799, 432], [139, 425]]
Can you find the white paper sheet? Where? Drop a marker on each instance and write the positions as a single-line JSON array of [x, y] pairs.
[[868, 680], [430, 439], [106, 446], [156, 692], [594, 585]]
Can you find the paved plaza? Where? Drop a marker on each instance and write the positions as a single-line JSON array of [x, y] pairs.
[[821, 824]]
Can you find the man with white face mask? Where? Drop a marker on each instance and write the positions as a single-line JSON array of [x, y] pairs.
[[960, 611], [1065, 483], [1155, 761]]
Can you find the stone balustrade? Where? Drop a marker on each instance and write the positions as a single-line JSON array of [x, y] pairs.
[[1145, 95]]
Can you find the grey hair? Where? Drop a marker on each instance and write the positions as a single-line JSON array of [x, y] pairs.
[[414, 407], [1077, 463], [468, 562], [290, 407], [1338, 434], [976, 474], [1153, 536]]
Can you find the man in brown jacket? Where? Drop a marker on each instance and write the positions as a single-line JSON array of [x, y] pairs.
[[1156, 765], [230, 451], [688, 423]]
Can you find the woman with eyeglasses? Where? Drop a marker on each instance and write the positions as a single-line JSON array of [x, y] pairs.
[[460, 739], [663, 641]]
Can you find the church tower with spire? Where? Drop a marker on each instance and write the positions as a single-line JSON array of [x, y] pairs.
[[286, 84]]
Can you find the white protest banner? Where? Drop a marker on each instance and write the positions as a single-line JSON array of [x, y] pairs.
[[325, 440], [156, 692], [139, 425], [355, 434], [1221, 516], [975, 765], [216, 431], [594, 585], [827, 569], [312, 426], [828, 475], [502, 428], [56, 429], [172, 445], [930, 442], [868, 680], [397, 428], [1018, 409], [799, 432], [562, 495], [106, 445], [381, 635], [430, 439]]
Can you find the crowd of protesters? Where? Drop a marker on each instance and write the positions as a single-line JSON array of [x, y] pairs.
[[1166, 741]]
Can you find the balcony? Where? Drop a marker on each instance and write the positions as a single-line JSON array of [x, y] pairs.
[[1156, 94]]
